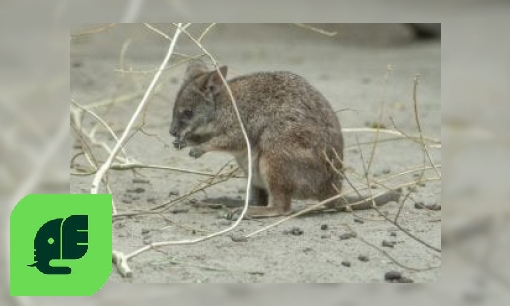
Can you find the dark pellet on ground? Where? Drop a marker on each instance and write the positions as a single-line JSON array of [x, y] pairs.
[[358, 220], [363, 258], [238, 238], [140, 181], [392, 275], [324, 227], [296, 231], [388, 244], [393, 234], [136, 190], [346, 263], [325, 236], [77, 64], [419, 205], [145, 231], [434, 207], [347, 236], [173, 193], [386, 171]]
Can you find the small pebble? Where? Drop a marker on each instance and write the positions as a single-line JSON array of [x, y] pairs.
[[393, 234], [392, 275], [324, 227], [173, 193], [419, 205], [388, 244], [325, 236], [358, 220], [136, 190], [363, 258], [296, 231], [434, 207], [346, 263], [386, 171], [140, 181], [347, 236], [238, 238], [145, 231]]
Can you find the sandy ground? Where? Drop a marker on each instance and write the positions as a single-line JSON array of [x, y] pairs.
[[349, 70]]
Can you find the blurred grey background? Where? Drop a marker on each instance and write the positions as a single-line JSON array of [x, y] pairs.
[[34, 95]]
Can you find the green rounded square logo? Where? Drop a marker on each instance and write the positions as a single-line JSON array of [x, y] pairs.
[[60, 244]]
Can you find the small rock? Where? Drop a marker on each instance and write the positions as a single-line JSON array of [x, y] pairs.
[[145, 231], [346, 263], [325, 236], [386, 171], [136, 190], [348, 236], [140, 181], [392, 275], [296, 231], [173, 193], [179, 211], [393, 234], [324, 227], [152, 200], [419, 205], [238, 238], [77, 64], [388, 244], [434, 207], [363, 258], [358, 220], [307, 249], [146, 241]]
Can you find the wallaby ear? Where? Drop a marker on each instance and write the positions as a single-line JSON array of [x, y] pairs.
[[195, 68], [214, 82]]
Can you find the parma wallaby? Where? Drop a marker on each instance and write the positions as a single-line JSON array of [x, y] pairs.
[[295, 136]]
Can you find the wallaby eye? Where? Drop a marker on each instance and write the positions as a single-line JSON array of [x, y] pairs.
[[187, 113]]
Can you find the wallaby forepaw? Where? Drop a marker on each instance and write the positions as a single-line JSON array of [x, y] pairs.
[[196, 152]]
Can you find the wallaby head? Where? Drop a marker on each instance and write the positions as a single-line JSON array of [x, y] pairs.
[[195, 105]]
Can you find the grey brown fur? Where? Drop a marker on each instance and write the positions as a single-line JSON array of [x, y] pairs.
[[290, 125]]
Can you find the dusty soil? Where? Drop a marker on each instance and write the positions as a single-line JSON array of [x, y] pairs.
[[350, 70]]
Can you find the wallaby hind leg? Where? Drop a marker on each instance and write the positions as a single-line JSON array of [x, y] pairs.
[[258, 196], [279, 194]]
